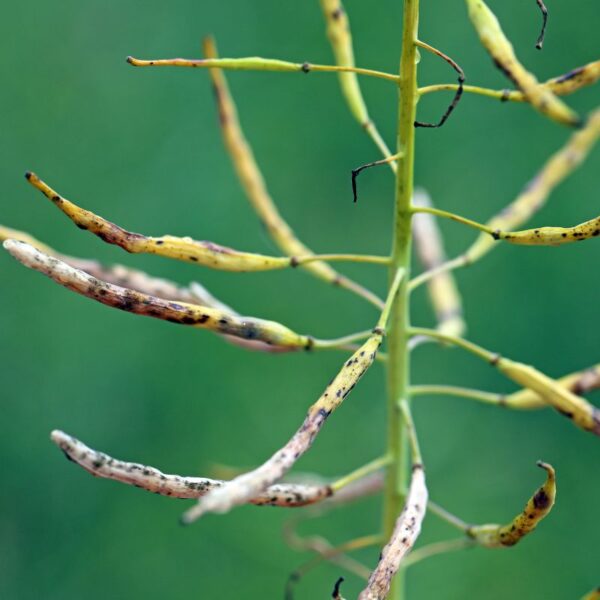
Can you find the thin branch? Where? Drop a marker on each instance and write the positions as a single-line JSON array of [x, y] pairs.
[[540, 41], [356, 172], [256, 63]]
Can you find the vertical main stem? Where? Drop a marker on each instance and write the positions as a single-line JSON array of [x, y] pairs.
[[398, 362]]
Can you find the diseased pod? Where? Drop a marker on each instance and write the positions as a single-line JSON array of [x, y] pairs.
[[401, 481]]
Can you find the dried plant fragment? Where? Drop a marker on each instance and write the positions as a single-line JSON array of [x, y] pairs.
[[552, 236], [582, 413], [537, 508], [138, 303], [535, 194], [443, 292], [255, 188], [540, 41], [152, 480], [501, 50]]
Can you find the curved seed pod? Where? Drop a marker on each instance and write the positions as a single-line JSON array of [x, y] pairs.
[[403, 538], [340, 37], [140, 281], [538, 506], [443, 292], [250, 484], [578, 383], [535, 194], [501, 50], [255, 188], [138, 303], [593, 595], [186, 249], [552, 236], [176, 486], [581, 412]]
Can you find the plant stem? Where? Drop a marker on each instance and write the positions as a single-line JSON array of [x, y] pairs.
[[398, 364]]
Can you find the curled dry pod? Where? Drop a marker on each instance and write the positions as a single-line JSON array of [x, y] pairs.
[[581, 412], [537, 508], [152, 480], [502, 52], [203, 317]]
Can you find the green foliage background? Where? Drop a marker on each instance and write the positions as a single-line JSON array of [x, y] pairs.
[[142, 148]]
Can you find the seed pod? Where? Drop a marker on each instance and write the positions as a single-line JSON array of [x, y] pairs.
[[340, 37], [538, 506], [501, 50], [552, 236], [443, 292], [578, 383], [406, 532], [255, 188], [250, 484], [535, 194], [581, 412], [593, 595], [186, 249], [143, 304], [152, 480]]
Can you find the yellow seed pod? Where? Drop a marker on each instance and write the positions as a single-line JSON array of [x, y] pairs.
[[581, 412], [552, 236], [593, 595], [338, 32], [575, 79], [502, 52], [578, 383], [537, 508], [536, 192], [186, 249], [254, 185], [203, 317]]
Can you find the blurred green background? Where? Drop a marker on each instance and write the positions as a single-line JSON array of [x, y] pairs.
[[142, 148]]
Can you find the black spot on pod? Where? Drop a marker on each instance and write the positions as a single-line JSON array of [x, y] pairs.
[[541, 500]]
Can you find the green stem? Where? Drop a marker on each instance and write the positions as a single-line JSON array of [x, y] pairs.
[[398, 473], [461, 392]]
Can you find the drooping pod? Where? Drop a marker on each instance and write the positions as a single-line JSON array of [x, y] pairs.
[[502, 52], [203, 317], [186, 249], [408, 524], [537, 508], [254, 185], [552, 236], [579, 383], [148, 478], [534, 195], [580, 411], [443, 291], [250, 484]]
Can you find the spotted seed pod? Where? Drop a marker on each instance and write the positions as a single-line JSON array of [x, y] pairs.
[[537, 508], [254, 185], [406, 532], [502, 52], [535, 194], [152, 480], [203, 317], [246, 486], [579, 383], [186, 249], [552, 236], [443, 291], [582, 413]]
